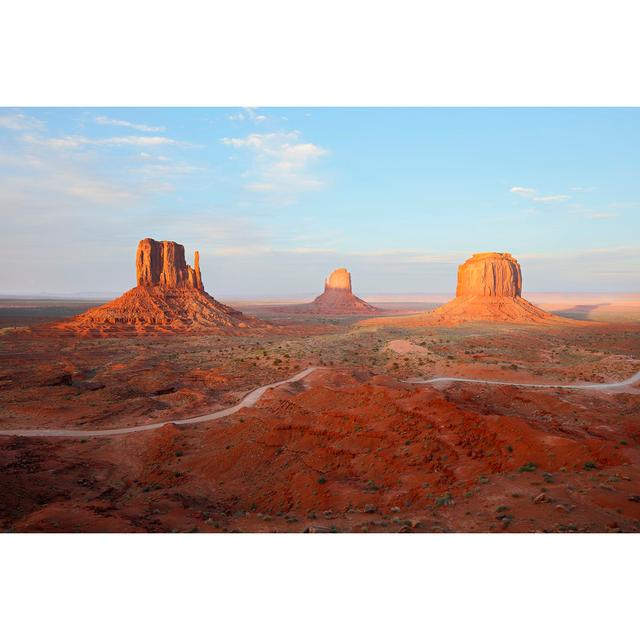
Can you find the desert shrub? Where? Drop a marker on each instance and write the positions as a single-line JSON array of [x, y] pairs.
[[444, 500]]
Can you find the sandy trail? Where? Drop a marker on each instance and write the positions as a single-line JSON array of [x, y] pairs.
[[602, 386], [248, 401], [253, 396]]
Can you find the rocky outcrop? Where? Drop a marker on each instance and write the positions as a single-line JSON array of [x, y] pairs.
[[169, 296], [490, 274], [489, 290], [337, 299], [339, 280], [163, 264]]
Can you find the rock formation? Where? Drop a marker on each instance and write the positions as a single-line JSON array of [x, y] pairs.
[[490, 274], [339, 279], [337, 299], [163, 263], [489, 289], [169, 296]]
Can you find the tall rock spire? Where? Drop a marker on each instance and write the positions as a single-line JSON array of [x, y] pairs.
[[196, 269]]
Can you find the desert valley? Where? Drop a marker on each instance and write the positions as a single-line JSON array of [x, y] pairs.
[[167, 410]]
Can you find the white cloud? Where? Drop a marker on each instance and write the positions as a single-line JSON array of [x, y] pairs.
[[125, 123], [592, 214], [63, 188], [76, 141], [97, 191], [532, 194], [248, 113], [526, 192], [600, 215], [281, 161], [261, 186], [20, 122], [558, 198]]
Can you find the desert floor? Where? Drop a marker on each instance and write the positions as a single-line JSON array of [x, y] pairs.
[[350, 447]]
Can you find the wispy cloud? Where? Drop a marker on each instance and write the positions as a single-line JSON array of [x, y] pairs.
[[65, 188], [77, 141], [151, 163], [261, 186], [525, 192], [248, 113], [104, 120], [281, 161], [592, 214], [20, 122], [599, 215], [558, 198], [532, 194]]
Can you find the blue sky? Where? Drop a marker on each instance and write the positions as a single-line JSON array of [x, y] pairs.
[[276, 198]]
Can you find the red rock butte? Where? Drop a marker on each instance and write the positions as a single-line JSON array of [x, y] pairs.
[[169, 296], [337, 299], [163, 264], [489, 290]]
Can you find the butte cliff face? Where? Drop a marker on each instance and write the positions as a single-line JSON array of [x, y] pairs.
[[169, 296], [489, 289], [163, 264], [339, 280], [490, 274], [337, 299]]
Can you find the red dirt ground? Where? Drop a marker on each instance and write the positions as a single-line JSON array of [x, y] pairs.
[[347, 450]]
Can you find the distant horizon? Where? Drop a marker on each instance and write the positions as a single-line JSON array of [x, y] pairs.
[[381, 296]]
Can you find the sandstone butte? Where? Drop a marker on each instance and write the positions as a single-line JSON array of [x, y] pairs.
[[337, 299], [489, 290], [169, 296]]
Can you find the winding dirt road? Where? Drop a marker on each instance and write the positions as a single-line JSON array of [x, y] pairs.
[[252, 397], [602, 386], [248, 401]]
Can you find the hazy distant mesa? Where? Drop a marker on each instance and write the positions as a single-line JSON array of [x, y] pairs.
[[337, 299]]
